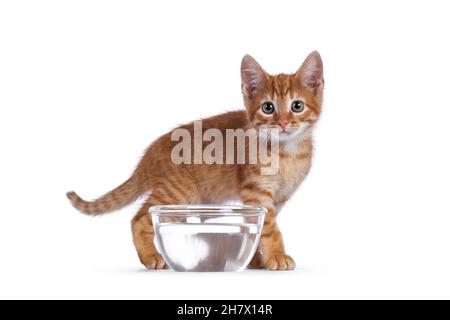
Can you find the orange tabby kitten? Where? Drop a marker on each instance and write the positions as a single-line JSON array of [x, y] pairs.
[[291, 103]]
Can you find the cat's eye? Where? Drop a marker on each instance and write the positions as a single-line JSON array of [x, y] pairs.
[[298, 106], [268, 107]]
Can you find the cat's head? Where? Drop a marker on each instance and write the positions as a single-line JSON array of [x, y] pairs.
[[291, 103]]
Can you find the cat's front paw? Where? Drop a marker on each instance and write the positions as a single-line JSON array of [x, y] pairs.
[[280, 262], [154, 261]]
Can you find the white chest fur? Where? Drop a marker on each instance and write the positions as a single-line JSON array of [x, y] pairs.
[[293, 170]]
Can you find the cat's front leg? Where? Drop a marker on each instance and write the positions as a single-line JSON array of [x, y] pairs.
[[270, 254], [271, 249]]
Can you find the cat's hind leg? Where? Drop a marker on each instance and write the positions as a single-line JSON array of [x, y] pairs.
[[142, 228], [142, 225]]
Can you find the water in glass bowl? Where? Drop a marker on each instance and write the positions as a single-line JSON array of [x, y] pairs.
[[207, 246]]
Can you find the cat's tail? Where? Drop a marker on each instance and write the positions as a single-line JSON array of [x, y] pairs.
[[118, 198]]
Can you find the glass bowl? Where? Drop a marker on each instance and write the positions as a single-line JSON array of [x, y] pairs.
[[207, 238]]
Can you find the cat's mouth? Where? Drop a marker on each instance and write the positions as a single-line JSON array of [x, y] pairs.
[[287, 134], [288, 130], [293, 131]]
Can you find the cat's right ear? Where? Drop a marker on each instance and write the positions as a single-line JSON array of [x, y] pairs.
[[252, 76]]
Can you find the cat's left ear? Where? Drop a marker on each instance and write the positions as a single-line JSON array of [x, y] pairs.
[[310, 73]]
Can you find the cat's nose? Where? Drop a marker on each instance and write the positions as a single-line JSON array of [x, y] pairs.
[[282, 124]]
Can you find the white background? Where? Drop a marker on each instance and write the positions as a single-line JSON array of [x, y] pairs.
[[85, 86]]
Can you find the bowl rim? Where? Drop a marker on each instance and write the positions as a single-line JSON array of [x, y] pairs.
[[207, 210]]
